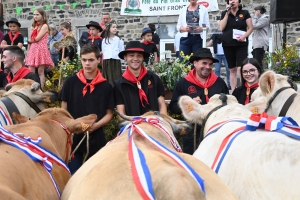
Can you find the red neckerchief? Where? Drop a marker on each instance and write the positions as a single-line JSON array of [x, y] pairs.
[[191, 77], [12, 39], [21, 73], [93, 38], [34, 32], [128, 75], [146, 43], [98, 79], [248, 91]]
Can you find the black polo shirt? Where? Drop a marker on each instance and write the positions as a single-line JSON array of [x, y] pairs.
[[235, 22], [150, 48], [19, 39]]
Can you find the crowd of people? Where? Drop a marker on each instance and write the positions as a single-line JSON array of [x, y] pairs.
[[137, 90]]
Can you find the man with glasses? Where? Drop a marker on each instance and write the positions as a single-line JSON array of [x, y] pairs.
[[200, 84], [250, 73]]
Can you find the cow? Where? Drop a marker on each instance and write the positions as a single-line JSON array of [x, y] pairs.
[[258, 164], [23, 178], [25, 97], [283, 103], [108, 174]]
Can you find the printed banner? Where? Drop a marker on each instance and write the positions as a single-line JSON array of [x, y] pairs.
[[161, 7]]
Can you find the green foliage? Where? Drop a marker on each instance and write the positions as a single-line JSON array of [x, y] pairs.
[[286, 62], [172, 70]]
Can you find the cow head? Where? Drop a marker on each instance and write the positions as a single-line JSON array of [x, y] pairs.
[[213, 111], [269, 83], [32, 90], [178, 127], [58, 131]]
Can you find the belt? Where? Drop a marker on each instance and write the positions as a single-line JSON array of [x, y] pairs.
[[190, 34]]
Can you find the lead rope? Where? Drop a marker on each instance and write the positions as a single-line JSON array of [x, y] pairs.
[[84, 128]]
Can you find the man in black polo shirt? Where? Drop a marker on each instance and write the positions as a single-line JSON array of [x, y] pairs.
[[200, 84], [138, 90]]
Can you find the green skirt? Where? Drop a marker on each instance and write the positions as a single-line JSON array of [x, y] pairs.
[[112, 70]]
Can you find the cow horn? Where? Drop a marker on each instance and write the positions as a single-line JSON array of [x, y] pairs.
[[35, 86], [125, 117]]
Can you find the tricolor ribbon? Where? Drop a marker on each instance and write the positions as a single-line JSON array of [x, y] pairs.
[[283, 125], [5, 117], [139, 169], [36, 152]]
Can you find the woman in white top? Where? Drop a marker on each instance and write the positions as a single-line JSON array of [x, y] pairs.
[[190, 24], [112, 45]]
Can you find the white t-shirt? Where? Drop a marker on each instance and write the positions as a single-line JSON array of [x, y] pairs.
[[220, 50], [177, 40], [113, 48]]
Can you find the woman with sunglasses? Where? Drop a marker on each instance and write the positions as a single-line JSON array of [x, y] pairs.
[[250, 73]]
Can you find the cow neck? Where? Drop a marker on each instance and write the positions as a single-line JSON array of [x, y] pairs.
[[139, 168], [69, 140], [28, 101], [286, 104], [223, 98]]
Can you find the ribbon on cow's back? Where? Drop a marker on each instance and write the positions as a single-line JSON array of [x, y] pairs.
[[283, 125], [36, 152], [139, 169], [5, 117]]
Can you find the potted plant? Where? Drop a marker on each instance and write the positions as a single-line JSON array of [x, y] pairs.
[[286, 62], [171, 70]]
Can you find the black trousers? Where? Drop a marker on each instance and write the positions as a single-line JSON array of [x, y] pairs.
[[259, 54], [188, 141]]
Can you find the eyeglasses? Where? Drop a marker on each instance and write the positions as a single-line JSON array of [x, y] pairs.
[[251, 71]]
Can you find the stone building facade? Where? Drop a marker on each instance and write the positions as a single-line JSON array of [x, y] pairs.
[[129, 27]]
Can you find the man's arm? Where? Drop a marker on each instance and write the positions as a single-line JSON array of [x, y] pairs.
[[103, 121], [162, 105], [260, 22], [64, 105], [121, 109]]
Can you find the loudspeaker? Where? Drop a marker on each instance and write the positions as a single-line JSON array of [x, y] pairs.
[[284, 11]]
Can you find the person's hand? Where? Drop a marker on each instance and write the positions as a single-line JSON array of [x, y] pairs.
[[228, 9], [187, 28], [198, 29], [197, 99], [256, 13], [241, 39]]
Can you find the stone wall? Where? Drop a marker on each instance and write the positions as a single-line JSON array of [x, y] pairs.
[[129, 27]]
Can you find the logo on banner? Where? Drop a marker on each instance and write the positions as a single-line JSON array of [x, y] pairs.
[[133, 7], [204, 3]]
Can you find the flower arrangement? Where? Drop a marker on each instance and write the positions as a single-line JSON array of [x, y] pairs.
[[62, 72], [171, 70], [286, 62]]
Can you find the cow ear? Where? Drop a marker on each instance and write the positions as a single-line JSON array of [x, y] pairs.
[[82, 124], [19, 119], [190, 109], [267, 82]]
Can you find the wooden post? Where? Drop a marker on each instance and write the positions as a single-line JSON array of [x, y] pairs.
[[60, 68]]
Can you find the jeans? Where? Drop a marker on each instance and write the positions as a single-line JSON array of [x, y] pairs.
[[190, 44], [218, 67], [55, 59], [177, 54], [188, 141]]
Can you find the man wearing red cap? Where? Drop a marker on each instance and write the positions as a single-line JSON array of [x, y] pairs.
[[138, 90], [201, 83]]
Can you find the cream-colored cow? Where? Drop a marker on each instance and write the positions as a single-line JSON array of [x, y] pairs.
[[269, 84], [107, 175], [259, 164]]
